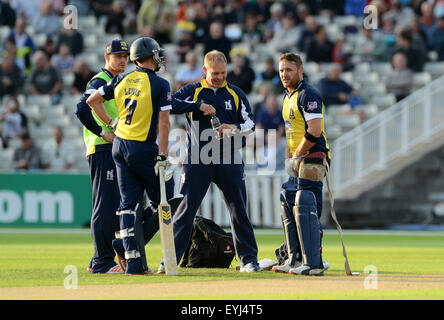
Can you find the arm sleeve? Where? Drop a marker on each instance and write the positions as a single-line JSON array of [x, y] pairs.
[[182, 101], [84, 112], [246, 122], [311, 106], [165, 101]]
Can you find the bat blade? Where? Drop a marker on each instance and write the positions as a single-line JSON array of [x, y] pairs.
[[167, 239]]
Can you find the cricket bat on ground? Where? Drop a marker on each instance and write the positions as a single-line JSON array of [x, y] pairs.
[[166, 230]]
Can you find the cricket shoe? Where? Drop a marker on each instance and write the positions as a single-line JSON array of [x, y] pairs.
[[115, 270], [161, 268], [250, 267], [306, 270], [326, 265], [286, 267], [122, 262]]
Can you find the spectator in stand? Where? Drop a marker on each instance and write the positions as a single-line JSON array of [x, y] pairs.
[[234, 12], [307, 33], [260, 9], [386, 41], [82, 75], [131, 8], [15, 121], [115, 19], [427, 19], [416, 57], [24, 43], [101, 7], [159, 15], [341, 55], [72, 38], [270, 118], [320, 48], [217, 40], [48, 22], [264, 92], [49, 47], [333, 89], [365, 46], [28, 155], [242, 74], [190, 73], [45, 79], [271, 74], [58, 155], [30, 10], [63, 61], [201, 21], [400, 80], [185, 44], [7, 14], [11, 77], [437, 38], [285, 39], [402, 13], [252, 33], [274, 23]]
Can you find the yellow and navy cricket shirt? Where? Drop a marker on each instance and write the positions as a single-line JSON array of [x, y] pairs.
[[300, 106], [139, 96]]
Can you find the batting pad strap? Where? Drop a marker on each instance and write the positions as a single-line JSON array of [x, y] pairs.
[[132, 254], [124, 233], [119, 213]]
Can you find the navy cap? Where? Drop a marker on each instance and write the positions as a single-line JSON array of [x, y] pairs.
[[116, 46]]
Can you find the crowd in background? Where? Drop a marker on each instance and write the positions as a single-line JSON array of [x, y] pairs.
[[409, 33]]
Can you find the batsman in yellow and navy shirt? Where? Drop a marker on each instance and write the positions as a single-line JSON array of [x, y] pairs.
[[234, 112], [307, 155], [143, 102]]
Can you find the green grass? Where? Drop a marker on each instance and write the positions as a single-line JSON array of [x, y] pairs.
[[39, 260]]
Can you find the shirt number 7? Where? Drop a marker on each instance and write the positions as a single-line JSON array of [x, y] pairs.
[[130, 105]]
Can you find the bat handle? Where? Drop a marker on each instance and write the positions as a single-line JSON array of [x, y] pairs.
[[163, 198]]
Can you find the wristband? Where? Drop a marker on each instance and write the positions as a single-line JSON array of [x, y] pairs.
[[311, 138], [160, 157]]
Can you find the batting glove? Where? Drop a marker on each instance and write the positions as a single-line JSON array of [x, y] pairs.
[[289, 168], [162, 161]]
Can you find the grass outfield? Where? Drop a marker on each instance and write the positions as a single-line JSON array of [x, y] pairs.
[[409, 266]]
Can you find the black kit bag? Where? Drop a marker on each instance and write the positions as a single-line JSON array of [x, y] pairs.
[[210, 246]]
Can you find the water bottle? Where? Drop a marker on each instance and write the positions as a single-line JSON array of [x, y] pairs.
[[215, 123]]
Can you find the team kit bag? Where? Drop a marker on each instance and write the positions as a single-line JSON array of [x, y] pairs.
[[210, 246]]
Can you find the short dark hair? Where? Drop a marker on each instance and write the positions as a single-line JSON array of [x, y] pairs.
[[292, 57], [25, 136]]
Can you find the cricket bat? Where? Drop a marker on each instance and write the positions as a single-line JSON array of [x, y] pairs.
[[166, 229]]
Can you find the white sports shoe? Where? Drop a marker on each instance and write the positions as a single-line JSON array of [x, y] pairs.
[[307, 271], [250, 267], [161, 268], [115, 270], [326, 265], [286, 267]]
